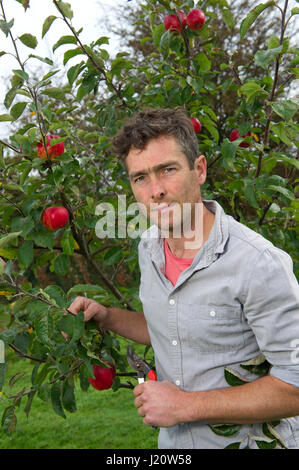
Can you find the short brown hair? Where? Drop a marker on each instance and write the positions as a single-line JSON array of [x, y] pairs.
[[152, 123]]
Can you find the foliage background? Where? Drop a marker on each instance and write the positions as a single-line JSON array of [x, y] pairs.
[[237, 72]]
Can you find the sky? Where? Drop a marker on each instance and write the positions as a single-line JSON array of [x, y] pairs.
[[88, 14], [92, 15]]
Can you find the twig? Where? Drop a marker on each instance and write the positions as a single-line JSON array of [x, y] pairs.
[[25, 355], [272, 94], [94, 63], [14, 204]]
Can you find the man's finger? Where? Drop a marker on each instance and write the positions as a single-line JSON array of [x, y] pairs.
[[138, 390]]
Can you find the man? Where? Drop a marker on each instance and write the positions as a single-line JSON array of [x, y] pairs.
[[207, 306]]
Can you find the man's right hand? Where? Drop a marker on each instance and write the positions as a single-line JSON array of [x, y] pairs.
[[91, 309]]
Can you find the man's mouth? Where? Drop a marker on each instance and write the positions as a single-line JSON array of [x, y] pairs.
[[161, 208]]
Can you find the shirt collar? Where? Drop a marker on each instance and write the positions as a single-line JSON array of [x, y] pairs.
[[153, 240]]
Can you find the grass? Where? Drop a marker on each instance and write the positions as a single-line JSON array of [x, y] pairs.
[[103, 420]]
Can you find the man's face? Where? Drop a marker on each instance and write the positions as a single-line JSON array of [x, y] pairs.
[[162, 181]]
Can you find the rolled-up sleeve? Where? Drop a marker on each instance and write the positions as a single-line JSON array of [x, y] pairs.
[[271, 307]]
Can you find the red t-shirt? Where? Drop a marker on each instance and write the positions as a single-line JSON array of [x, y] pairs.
[[174, 266]]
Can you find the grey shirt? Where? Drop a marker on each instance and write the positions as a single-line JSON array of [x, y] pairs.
[[238, 299]]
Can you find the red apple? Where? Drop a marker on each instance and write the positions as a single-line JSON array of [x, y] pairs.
[[53, 150], [196, 19], [104, 376], [171, 21], [234, 135], [196, 124], [55, 217]]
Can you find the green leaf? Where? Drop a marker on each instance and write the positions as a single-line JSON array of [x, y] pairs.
[[66, 9], [8, 253], [264, 58], [46, 60], [252, 16], [73, 72], [71, 53], [250, 193], [41, 326], [66, 324], [295, 11], [5, 117], [2, 53], [102, 40], [21, 74], [264, 442], [3, 369], [203, 62], [25, 3], [84, 374], [64, 40], [6, 239], [17, 110], [47, 24], [165, 42], [68, 243], [78, 326], [88, 289], [54, 92], [225, 430], [228, 17], [286, 109], [27, 408], [158, 31], [56, 399], [284, 191], [113, 255], [25, 253], [6, 26], [43, 238], [57, 294], [8, 335], [233, 378], [29, 40], [251, 89], [68, 397], [234, 445], [291, 161], [62, 264], [44, 392], [283, 133], [258, 365]]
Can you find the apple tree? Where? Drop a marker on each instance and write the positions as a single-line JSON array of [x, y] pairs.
[[57, 166]]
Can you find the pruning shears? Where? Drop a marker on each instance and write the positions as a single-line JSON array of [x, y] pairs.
[[142, 367]]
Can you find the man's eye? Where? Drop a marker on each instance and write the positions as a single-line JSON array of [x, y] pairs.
[[139, 179], [168, 170]]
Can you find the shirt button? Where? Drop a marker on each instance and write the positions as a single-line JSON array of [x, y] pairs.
[[171, 302], [177, 382], [212, 313], [174, 342]]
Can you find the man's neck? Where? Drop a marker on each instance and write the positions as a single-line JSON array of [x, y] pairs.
[[178, 245]]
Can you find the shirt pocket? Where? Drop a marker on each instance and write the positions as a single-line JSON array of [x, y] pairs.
[[214, 328]]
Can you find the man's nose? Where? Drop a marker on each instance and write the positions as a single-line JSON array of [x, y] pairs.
[[158, 190]]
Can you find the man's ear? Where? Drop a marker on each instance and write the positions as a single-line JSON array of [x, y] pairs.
[[200, 168]]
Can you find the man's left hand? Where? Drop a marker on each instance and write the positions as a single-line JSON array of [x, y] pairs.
[[160, 403]]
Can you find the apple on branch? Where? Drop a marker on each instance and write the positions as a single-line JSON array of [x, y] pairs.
[[234, 135], [172, 23], [196, 19], [53, 150], [104, 376], [55, 217], [196, 124]]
